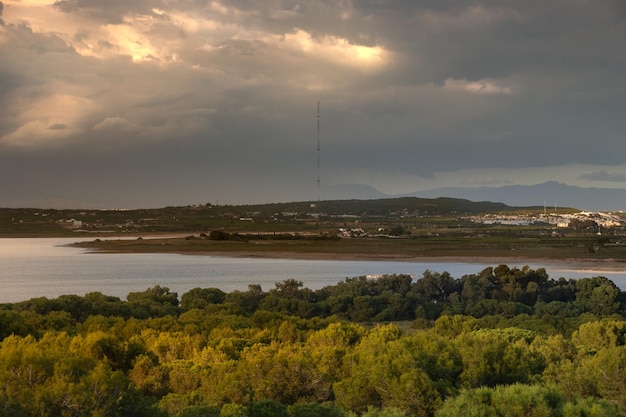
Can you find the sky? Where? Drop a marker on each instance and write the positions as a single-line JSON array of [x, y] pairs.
[[148, 103]]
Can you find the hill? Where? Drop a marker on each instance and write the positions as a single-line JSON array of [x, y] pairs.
[[551, 193], [385, 206]]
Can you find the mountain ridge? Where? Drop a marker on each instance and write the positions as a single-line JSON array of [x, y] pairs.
[[549, 193]]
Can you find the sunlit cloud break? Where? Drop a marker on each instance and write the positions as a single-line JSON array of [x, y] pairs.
[[484, 86], [205, 101], [333, 48]]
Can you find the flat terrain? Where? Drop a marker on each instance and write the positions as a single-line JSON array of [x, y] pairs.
[[575, 251], [393, 229]]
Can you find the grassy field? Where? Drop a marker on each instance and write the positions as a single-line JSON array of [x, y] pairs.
[[556, 248]]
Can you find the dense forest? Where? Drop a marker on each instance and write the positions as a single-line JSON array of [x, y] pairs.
[[502, 342]]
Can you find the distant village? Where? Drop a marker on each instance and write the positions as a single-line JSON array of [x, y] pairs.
[[599, 220], [603, 220], [596, 222], [351, 224]]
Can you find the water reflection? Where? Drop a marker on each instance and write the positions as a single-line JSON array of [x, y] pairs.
[[44, 267]]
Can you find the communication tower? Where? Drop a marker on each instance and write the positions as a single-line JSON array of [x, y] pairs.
[[318, 152]]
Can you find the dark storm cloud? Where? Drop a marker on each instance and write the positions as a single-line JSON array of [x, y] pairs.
[[495, 39], [180, 92]]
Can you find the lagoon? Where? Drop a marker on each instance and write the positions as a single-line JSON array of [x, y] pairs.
[[47, 267]]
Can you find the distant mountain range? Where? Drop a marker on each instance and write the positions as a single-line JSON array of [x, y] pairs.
[[550, 193]]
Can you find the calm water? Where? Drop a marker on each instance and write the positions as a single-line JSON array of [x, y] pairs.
[[44, 267]]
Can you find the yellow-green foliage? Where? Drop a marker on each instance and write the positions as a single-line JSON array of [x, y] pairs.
[[223, 357], [419, 373]]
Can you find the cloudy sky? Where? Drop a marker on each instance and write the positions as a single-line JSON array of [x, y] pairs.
[[146, 103]]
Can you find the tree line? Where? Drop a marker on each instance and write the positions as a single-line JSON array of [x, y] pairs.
[[513, 294], [505, 341]]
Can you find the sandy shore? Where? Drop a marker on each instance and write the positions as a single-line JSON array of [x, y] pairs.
[[573, 264], [607, 265]]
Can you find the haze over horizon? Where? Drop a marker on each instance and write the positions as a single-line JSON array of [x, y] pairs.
[[152, 103]]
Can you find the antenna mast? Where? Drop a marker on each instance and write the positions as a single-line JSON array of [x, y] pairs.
[[318, 152]]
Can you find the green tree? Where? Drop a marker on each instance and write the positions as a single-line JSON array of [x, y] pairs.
[[521, 401], [383, 412], [148, 376], [201, 298], [233, 410], [284, 373], [247, 301], [267, 408], [154, 302], [434, 287], [386, 373], [598, 295], [12, 323], [498, 356], [328, 347], [452, 326], [607, 372], [598, 335], [313, 410]]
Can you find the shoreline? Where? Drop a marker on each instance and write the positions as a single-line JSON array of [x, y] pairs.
[[584, 265], [599, 265]]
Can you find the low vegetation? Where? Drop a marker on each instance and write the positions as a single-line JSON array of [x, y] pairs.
[[400, 228], [504, 341], [302, 217], [457, 243]]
